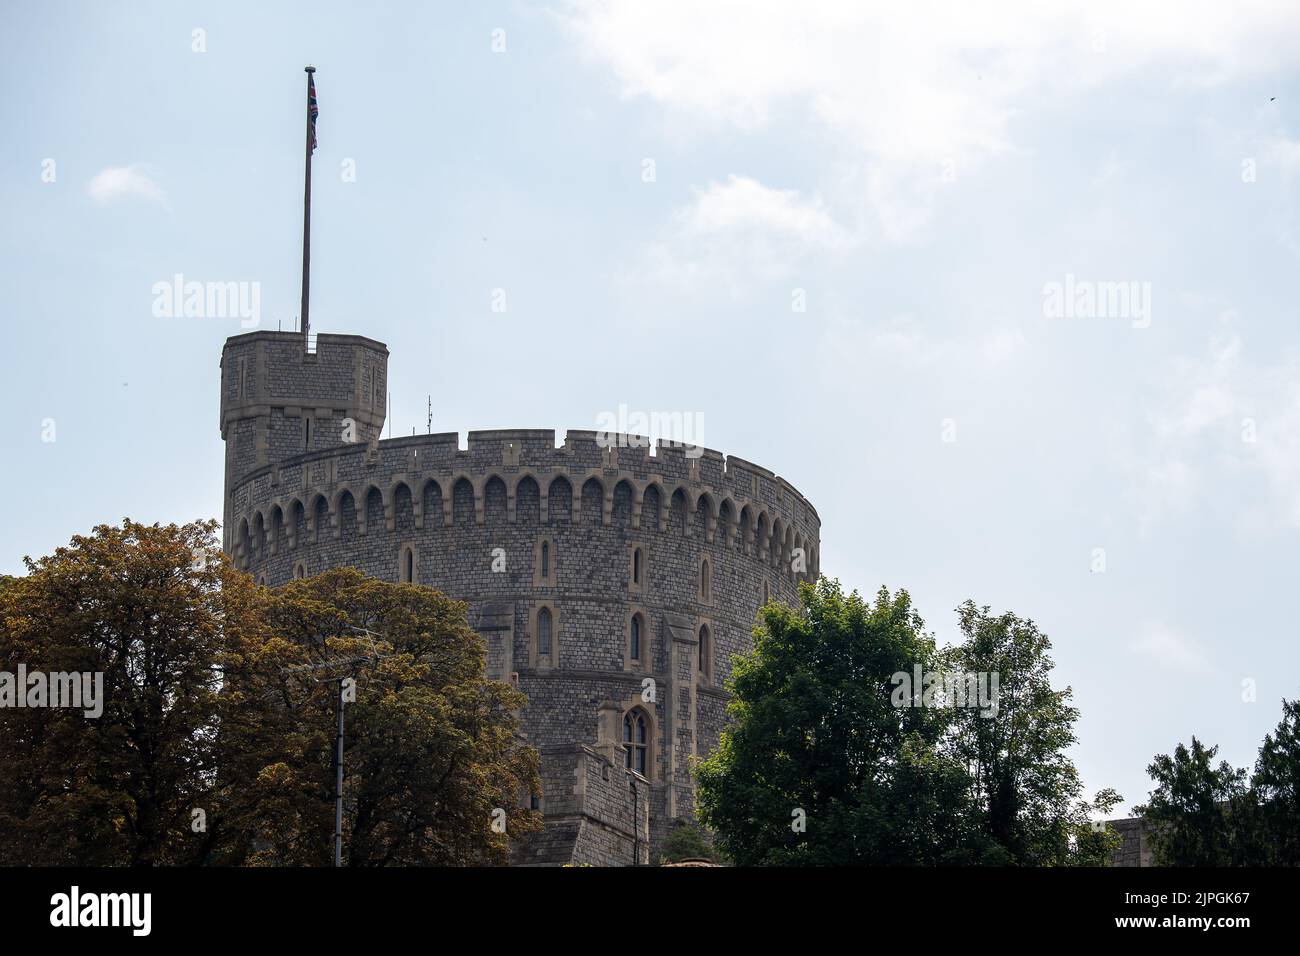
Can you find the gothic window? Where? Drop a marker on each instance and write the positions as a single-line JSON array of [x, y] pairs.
[[706, 585], [636, 740], [767, 593], [299, 571], [544, 633], [544, 563], [705, 658], [636, 569], [634, 639], [406, 565]]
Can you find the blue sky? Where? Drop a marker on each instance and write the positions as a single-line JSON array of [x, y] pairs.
[[918, 178]]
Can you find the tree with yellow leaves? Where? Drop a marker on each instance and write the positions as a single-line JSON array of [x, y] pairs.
[[215, 741]]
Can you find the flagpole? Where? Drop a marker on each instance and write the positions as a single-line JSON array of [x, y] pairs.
[[306, 218]]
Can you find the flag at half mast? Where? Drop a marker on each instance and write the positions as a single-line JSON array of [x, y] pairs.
[[312, 109]]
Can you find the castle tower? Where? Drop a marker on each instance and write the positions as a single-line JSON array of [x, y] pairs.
[[279, 401], [612, 581]]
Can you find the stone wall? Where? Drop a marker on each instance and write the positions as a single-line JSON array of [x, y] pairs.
[[1136, 850]]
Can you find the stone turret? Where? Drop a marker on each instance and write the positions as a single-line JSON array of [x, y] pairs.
[[279, 400]]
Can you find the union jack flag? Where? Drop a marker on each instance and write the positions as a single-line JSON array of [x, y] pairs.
[[312, 109]]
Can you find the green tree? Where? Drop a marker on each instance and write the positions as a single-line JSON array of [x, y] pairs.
[[208, 704], [432, 749], [1029, 791], [686, 841], [823, 731], [1277, 784], [818, 766], [1200, 814], [141, 605]]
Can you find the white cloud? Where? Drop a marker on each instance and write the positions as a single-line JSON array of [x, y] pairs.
[[1284, 153], [1111, 168], [853, 352], [1221, 421], [741, 231], [904, 90], [1166, 646], [745, 203], [124, 182]]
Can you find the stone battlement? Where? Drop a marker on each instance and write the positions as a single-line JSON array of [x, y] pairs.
[[741, 498]]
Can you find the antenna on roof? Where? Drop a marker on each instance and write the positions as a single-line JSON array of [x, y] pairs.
[[430, 426]]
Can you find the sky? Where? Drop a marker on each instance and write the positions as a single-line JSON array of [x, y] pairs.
[[1008, 293]]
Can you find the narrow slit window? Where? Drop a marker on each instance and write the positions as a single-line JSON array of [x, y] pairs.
[[544, 632]]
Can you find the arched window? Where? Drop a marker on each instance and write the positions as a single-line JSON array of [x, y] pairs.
[[636, 740], [705, 584], [544, 563], [544, 633], [634, 640], [299, 571], [636, 569], [406, 566], [705, 655]]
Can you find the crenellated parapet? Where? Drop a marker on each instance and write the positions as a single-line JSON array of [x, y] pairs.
[[584, 480]]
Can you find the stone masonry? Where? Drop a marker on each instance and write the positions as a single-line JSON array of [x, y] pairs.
[[605, 547]]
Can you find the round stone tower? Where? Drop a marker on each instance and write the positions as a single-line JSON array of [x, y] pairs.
[[611, 581]]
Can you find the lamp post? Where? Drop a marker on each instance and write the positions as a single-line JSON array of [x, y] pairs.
[[338, 738], [338, 782], [636, 822]]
